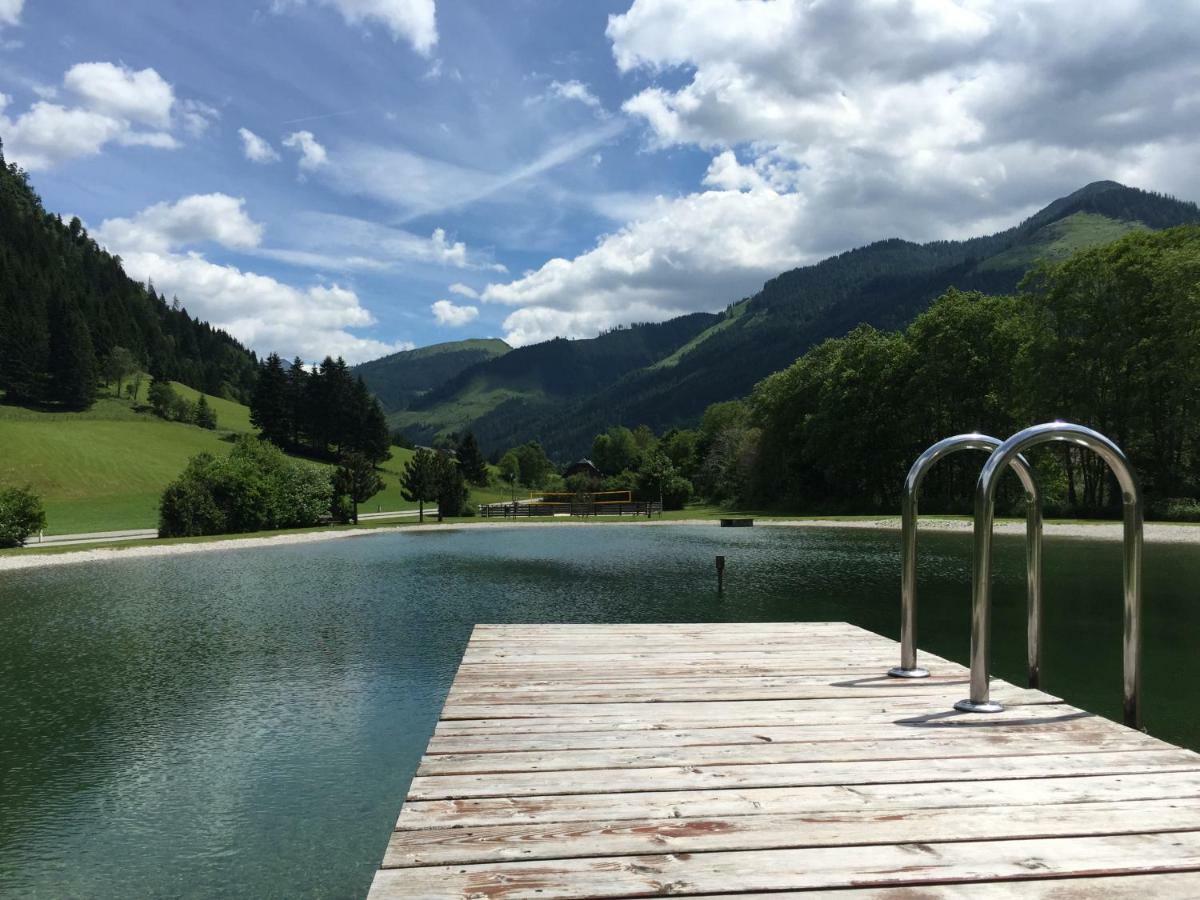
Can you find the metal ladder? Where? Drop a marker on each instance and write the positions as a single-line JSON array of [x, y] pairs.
[[908, 667], [981, 598]]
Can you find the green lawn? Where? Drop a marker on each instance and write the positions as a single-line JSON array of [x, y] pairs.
[[105, 469]]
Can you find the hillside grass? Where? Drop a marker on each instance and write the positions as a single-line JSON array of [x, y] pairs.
[[473, 402], [1061, 239], [733, 314], [105, 469]]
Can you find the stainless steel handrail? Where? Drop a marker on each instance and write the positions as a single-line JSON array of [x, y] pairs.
[[981, 599], [908, 667]]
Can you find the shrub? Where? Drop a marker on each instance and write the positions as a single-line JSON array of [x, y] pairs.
[[21, 515], [676, 492], [255, 488], [1176, 509]]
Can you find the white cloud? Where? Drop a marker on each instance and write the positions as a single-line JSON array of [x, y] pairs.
[[834, 124], [693, 253], [464, 290], [10, 12], [312, 155], [142, 97], [310, 321], [48, 134], [414, 21], [453, 316], [257, 149], [197, 219], [422, 185], [195, 117], [332, 242], [115, 105], [578, 92]]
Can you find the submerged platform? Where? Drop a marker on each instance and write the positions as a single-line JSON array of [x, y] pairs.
[[691, 760]]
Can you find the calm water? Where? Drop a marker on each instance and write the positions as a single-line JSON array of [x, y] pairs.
[[246, 722]]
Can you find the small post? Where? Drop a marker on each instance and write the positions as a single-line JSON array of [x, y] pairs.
[[720, 574]]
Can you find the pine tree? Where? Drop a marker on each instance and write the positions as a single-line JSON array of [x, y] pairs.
[[270, 409], [72, 360], [357, 479], [205, 417], [370, 435], [297, 397], [471, 462], [418, 482], [449, 487]]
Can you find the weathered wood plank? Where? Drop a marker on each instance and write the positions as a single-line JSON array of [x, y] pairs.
[[959, 729], [760, 753], [819, 867], [732, 777], [793, 800], [631, 837], [903, 712], [938, 698], [1159, 886]]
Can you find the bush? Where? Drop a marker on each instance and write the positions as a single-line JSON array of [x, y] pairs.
[[255, 488], [676, 492], [21, 515], [1176, 509]]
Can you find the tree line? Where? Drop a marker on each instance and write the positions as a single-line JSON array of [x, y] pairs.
[[1109, 338], [67, 308], [324, 412]]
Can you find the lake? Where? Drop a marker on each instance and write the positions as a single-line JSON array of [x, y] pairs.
[[246, 722]]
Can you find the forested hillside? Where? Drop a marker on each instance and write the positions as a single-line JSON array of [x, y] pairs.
[[1109, 338], [67, 309], [530, 381], [885, 284], [399, 379]]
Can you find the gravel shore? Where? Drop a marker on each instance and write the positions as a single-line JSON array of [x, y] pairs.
[[1156, 532]]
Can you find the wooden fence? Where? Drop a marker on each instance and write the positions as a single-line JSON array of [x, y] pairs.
[[534, 509]]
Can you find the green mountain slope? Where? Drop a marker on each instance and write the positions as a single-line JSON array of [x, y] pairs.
[[885, 284], [399, 379], [532, 381], [60, 290]]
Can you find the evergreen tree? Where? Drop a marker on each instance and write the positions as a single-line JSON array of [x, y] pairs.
[[205, 416], [297, 392], [118, 365], [370, 435], [72, 360], [24, 343], [162, 397], [357, 479], [418, 482], [449, 486], [270, 407], [470, 460]]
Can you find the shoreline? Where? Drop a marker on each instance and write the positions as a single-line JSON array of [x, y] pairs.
[[1155, 533]]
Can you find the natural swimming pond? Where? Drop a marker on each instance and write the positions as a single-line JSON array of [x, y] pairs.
[[245, 722]]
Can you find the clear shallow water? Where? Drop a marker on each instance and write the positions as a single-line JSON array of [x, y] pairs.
[[246, 722]]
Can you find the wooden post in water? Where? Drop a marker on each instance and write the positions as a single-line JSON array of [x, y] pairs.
[[720, 574]]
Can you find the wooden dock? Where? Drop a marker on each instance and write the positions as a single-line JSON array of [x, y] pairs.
[[655, 760]]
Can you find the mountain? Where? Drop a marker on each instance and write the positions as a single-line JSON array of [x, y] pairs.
[[401, 378], [540, 378], [884, 284], [66, 304]]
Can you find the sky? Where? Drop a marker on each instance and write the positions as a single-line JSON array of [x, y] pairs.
[[356, 177]]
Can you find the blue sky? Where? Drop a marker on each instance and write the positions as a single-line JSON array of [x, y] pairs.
[[357, 176]]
